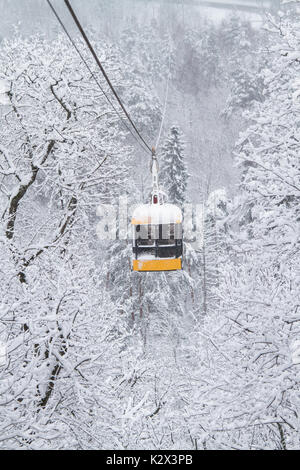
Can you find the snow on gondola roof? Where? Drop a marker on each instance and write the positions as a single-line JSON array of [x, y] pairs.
[[156, 214]]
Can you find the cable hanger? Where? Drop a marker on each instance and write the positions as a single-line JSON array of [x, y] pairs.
[[166, 100]]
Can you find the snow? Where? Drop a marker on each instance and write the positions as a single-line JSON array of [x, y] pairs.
[[4, 86], [94, 355], [4, 100], [157, 214], [145, 257], [215, 200], [295, 351], [3, 354], [147, 246]]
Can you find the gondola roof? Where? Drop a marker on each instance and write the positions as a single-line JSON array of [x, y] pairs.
[[156, 214]]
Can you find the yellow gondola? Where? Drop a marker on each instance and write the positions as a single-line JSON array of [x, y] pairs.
[[157, 238], [157, 231]]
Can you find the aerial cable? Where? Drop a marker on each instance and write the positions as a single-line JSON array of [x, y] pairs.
[[156, 193], [76, 20], [166, 100], [93, 75]]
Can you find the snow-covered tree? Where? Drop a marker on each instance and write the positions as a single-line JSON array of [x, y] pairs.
[[92, 355], [252, 336], [62, 153], [243, 60], [213, 248], [173, 172]]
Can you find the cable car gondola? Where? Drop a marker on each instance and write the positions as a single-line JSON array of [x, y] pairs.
[[157, 238], [157, 232]]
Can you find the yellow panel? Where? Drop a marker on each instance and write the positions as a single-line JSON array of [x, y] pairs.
[[157, 264], [144, 221]]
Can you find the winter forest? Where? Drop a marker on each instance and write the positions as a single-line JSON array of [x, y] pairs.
[[92, 354]]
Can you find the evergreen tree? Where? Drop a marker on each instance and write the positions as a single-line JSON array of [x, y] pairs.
[[173, 171], [242, 63]]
